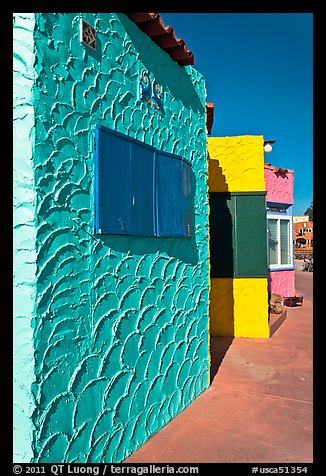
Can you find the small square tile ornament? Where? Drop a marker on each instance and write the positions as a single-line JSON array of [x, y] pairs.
[[87, 35]]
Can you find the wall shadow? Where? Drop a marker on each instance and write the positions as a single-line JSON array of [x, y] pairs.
[[222, 262], [97, 54], [164, 71], [221, 235]]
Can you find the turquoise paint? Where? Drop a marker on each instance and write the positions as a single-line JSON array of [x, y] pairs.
[[24, 236], [121, 326]]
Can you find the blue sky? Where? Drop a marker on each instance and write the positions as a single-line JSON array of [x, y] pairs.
[[259, 72]]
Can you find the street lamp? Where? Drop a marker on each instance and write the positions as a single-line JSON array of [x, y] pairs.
[[268, 146]]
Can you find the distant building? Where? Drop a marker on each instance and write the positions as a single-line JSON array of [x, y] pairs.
[[303, 234], [298, 218]]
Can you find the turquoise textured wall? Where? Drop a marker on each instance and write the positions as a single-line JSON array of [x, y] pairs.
[[24, 236], [121, 329]]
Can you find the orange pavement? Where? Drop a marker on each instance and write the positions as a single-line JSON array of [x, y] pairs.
[[258, 408]]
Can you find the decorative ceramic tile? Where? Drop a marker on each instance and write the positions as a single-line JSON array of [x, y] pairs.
[[150, 90], [87, 34], [145, 86], [157, 94]]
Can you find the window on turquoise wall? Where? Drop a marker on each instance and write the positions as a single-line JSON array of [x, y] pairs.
[[140, 190], [280, 251]]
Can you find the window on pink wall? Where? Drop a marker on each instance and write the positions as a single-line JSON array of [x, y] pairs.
[[280, 245]]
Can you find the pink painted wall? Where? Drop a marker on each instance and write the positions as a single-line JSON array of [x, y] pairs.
[[282, 282], [279, 189], [279, 186]]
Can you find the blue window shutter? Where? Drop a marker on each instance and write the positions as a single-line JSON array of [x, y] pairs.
[[140, 190], [124, 189], [142, 210], [173, 195], [112, 182]]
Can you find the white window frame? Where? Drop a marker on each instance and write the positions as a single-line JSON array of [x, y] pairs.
[[278, 217]]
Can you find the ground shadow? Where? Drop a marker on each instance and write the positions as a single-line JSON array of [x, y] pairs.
[[275, 321], [221, 311], [219, 347]]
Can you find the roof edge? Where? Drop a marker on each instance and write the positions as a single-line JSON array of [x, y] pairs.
[[164, 36]]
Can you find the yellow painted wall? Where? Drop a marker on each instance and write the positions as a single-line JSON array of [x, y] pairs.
[[239, 307], [236, 164]]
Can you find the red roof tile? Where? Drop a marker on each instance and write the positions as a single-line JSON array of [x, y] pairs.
[[164, 36]]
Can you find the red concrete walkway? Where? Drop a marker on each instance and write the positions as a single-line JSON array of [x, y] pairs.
[[258, 408]]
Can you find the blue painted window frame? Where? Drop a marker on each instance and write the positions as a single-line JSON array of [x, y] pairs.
[[166, 208], [287, 215]]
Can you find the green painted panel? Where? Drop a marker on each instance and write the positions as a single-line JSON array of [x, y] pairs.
[[251, 242], [238, 235]]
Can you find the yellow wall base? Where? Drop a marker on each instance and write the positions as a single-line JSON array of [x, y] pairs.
[[239, 307]]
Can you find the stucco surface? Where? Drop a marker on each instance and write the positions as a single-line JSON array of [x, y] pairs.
[[236, 164], [279, 186], [24, 256], [121, 334], [239, 307], [282, 282]]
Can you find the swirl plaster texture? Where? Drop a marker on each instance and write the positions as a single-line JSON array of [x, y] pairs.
[[282, 282], [121, 328], [238, 306], [279, 187], [24, 234], [236, 164]]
